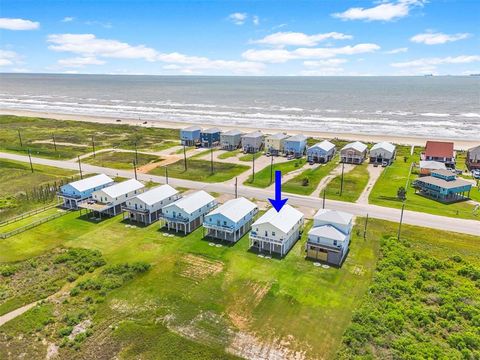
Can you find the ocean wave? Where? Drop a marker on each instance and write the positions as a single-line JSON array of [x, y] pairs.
[[435, 114]]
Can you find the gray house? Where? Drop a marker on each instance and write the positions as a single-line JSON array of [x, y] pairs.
[[473, 158], [252, 142], [231, 140]]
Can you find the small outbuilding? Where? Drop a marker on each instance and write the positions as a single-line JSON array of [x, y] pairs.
[[188, 213], [274, 143], [210, 138], [295, 145], [147, 207], [426, 167], [354, 153], [321, 152], [78, 191], [190, 136], [231, 220], [252, 142], [383, 152], [276, 232], [473, 158], [231, 140]]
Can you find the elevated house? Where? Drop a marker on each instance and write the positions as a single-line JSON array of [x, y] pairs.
[[190, 136], [473, 158], [426, 167], [329, 238], [231, 220], [276, 232], [231, 140], [78, 191], [354, 153], [210, 137], [109, 201], [274, 143], [188, 213], [295, 145], [147, 207], [252, 142], [321, 152], [444, 186], [441, 151], [383, 152]]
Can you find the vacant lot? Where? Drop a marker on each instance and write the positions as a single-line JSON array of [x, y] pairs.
[[353, 184], [121, 160], [200, 170], [266, 176]]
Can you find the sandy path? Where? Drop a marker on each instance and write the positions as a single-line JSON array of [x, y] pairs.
[[17, 312], [374, 173], [334, 173], [149, 167]]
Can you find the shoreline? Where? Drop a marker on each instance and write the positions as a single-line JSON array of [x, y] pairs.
[[397, 139]]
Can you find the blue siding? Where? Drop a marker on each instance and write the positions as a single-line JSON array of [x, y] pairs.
[[188, 135], [297, 147], [208, 139], [221, 220]]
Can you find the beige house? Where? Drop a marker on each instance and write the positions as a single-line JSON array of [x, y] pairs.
[[274, 143], [353, 153]]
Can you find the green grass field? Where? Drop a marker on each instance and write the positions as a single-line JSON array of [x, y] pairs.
[[262, 177], [249, 157], [76, 136], [229, 154], [120, 160], [298, 185], [353, 184], [200, 170]]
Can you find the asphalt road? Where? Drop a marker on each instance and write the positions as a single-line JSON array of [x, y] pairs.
[[410, 217]]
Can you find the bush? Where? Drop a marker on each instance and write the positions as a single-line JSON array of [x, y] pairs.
[[7, 270], [65, 331]]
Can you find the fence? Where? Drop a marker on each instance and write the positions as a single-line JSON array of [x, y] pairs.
[[27, 214], [32, 225]]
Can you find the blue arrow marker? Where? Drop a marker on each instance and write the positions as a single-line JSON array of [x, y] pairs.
[[278, 202]]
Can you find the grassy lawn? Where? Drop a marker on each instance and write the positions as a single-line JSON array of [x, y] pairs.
[[262, 177], [384, 192], [76, 136], [249, 157], [229, 154], [16, 180], [120, 160], [354, 183], [199, 170], [298, 185]]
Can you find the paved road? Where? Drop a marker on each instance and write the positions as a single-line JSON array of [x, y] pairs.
[[410, 217]]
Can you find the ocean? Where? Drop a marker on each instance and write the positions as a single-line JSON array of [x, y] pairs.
[[447, 106]]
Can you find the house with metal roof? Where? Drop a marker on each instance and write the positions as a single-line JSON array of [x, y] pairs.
[[353, 153], [78, 191], [321, 152], [274, 143], [444, 186], [210, 137], [190, 136], [188, 213], [231, 220], [231, 139], [329, 238], [276, 232], [382, 152], [426, 166], [295, 145], [473, 158], [252, 142], [147, 207], [441, 151], [109, 200]]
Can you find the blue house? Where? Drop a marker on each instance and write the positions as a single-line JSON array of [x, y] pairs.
[[321, 152], [231, 220], [210, 137], [295, 145], [190, 136], [77, 191], [444, 186]]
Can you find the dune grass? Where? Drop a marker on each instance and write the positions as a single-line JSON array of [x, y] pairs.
[[249, 157], [120, 160], [263, 177], [353, 184], [229, 154]]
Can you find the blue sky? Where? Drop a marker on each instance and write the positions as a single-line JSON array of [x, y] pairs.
[[321, 38]]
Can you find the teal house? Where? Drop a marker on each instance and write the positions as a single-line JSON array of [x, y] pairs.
[[444, 186]]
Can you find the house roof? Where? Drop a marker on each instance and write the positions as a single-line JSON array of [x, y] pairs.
[[329, 232], [432, 165], [211, 131], [474, 153], [333, 216], [91, 182], [157, 194], [356, 145], [324, 145], [278, 136], [443, 183], [443, 172], [235, 209], [232, 132], [193, 202], [192, 128], [253, 134], [385, 145], [123, 188], [298, 137], [439, 149], [284, 220]]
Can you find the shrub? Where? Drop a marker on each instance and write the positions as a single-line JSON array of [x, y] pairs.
[[7, 270]]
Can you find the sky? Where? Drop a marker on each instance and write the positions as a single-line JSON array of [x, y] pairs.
[[271, 38]]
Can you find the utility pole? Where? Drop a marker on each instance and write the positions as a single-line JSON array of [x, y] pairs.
[[271, 168], [185, 157], [253, 167], [341, 184], [166, 174], [20, 138], [365, 229], [236, 187], [80, 167], [54, 143], [211, 160], [136, 153], [323, 206], [401, 220], [93, 145], [30, 158], [135, 169]]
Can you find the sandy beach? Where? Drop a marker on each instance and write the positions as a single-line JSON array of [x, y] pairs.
[[417, 141]]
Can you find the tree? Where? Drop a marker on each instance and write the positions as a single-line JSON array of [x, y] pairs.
[[402, 193]]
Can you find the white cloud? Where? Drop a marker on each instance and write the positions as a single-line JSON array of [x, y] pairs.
[[429, 62], [397, 51], [282, 39], [79, 62], [328, 62], [386, 11], [68, 19], [8, 57], [256, 20], [238, 18], [283, 55], [326, 71], [18, 24], [438, 38]]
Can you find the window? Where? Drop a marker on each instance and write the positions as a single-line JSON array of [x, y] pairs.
[[273, 233], [335, 242], [224, 223]]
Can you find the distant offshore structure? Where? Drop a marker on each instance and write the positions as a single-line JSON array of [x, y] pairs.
[[475, 74]]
